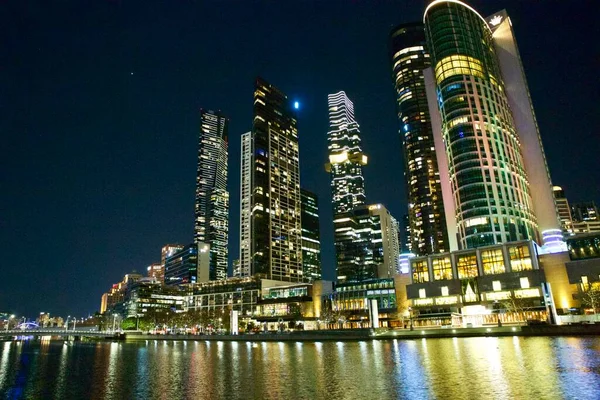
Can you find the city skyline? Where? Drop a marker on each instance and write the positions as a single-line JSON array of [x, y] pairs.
[[111, 230]]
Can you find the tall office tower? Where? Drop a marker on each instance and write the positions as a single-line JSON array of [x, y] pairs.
[[245, 260], [564, 211], [212, 197], [275, 236], [311, 236], [390, 240], [367, 244], [427, 222], [492, 165], [346, 159]]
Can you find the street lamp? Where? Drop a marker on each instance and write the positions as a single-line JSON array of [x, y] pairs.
[[8, 321]]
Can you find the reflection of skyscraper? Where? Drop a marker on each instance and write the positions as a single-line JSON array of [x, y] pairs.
[[275, 229], [212, 197], [492, 165], [427, 223], [311, 237]]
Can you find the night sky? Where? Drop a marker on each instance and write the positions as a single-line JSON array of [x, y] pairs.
[[99, 119]]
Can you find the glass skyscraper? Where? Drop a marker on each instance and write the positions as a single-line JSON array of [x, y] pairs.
[[426, 219], [311, 237], [212, 197], [271, 151], [488, 178], [346, 159]]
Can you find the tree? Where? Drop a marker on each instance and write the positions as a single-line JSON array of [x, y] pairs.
[[590, 296], [515, 305]]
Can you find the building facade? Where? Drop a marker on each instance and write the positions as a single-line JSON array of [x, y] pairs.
[[563, 210], [156, 272], [478, 286], [311, 236], [427, 223], [212, 197], [346, 158], [245, 260], [190, 265], [493, 160], [275, 226]]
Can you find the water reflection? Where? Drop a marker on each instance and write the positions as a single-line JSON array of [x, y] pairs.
[[416, 369]]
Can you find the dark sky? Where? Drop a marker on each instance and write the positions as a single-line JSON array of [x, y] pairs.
[[99, 117]]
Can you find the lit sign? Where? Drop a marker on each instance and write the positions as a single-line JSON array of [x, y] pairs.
[[496, 20]]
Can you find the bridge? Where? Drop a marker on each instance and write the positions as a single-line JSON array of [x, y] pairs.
[[60, 333]]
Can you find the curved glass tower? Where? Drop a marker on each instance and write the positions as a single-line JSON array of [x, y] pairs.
[[426, 217], [489, 183]]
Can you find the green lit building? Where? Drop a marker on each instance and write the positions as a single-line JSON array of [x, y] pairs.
[[493, 169]]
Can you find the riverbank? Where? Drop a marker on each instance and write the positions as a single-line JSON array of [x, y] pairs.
[[385, 334]]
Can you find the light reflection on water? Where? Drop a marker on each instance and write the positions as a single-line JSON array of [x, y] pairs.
[[499, 368]]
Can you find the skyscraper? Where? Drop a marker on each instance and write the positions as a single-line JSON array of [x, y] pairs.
[[275, 228], [245, 260], [483, 125], [354, 253], [346, 158], [426, 222], [311, 237], [390, 241], [212, 197], [367, 244]]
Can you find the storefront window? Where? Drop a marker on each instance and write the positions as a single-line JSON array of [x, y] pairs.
[[442, 268], [467, 266], [493, 262], [420, 271], [520, 259]]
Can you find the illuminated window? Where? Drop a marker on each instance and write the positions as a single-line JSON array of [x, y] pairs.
[[520, 259], [492, 262], [524, 283], [458, 64], [442, 268], [467, 266], [496, 286], [422, 293], [420, 271], [444, 290]]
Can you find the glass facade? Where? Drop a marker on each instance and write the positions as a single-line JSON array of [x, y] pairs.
[[311, 237], [489, 183], [355, 296], [427, 223], [212, 197], [182, 267], [358, 245], [442, 268], [492, 262]]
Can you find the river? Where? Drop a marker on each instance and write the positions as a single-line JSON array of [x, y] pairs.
[[459, 368]]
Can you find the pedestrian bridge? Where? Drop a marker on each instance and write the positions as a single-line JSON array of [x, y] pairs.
[[59, 333]]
